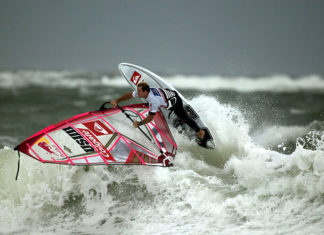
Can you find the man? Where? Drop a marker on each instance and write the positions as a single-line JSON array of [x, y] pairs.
[[157, 98]]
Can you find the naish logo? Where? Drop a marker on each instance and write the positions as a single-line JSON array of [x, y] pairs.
[[79, 139], [136, 77]]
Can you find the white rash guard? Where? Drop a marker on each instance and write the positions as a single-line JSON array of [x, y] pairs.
[[155, 99]]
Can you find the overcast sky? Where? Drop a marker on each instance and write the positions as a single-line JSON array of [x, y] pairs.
[[230, 37]]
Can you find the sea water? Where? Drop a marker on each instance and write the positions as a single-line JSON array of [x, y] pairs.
[[266, 175]]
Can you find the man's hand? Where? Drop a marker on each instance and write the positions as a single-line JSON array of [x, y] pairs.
[[144, 121], [135, 124], [114, 103], [127, 96]]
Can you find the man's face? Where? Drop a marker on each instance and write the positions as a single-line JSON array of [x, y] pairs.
[[141, 94]]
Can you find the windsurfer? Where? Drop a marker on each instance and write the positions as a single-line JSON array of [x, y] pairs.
[[163, 98]]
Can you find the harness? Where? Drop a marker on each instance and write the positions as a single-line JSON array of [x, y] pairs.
[[170, 97]]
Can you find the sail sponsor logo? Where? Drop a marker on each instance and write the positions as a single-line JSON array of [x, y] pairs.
[[51, 149], [79, 139], [98, 145], [155, 92], [136, 77], [98, 128]]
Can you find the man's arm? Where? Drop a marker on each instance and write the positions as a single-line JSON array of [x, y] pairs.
[[127, 96], [144, 121]]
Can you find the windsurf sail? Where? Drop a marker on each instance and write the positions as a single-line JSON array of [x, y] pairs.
[[104, 137]]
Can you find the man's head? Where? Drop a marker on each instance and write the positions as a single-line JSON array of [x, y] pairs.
[[143, 90]]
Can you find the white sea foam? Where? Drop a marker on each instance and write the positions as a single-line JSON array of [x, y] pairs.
[[272, 135], [275, 83], [278, 135], [257, 192], [70, 79]]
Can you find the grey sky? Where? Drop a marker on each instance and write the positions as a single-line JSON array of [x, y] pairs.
[[233, 37]]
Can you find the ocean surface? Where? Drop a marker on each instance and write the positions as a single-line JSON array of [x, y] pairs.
[[266, 175]]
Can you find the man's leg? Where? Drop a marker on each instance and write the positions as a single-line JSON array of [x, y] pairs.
[[183, 115]]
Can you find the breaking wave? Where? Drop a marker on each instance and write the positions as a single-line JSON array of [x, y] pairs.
[[241, 187], [69, 79]]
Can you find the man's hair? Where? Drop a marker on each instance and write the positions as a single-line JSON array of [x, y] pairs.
[[144, 86]]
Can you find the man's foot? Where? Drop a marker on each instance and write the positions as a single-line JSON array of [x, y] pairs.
[[201, 134], [201, 138]]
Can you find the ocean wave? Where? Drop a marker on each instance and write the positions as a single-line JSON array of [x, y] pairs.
[[257, 191], [70, 79], [258, 169], [276, 83], [273, 135], [269, 173], [65, 79], [285, 138]]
